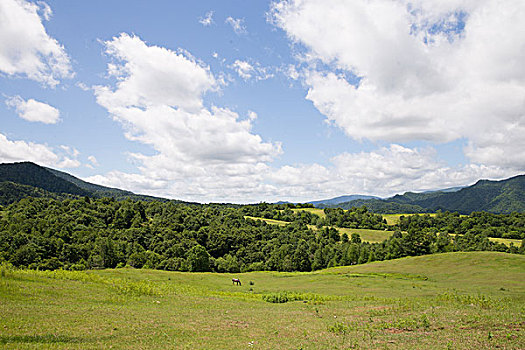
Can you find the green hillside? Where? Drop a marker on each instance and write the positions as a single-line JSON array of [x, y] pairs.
[[445, 301], [505, 196], [11, 192], [30, 174]]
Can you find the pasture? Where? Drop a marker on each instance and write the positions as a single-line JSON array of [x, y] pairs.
[[456, 300], [316, 211]]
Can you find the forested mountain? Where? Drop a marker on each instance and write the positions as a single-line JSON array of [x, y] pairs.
[[505, 196], [26, 179], [30, 174], [11, 192]]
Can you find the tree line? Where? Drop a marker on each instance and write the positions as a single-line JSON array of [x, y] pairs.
[[77, 234]]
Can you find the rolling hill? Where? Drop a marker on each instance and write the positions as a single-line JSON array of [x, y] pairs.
[[468, 300]]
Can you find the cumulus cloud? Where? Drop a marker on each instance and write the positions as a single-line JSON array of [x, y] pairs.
[[384, 172], [416, 70], [34, 111], [207, 20], [25, 47], [69, 163], [158, 99], [237, 25], [20, 151]]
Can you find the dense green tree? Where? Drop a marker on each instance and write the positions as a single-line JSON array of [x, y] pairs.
[[198, 259]]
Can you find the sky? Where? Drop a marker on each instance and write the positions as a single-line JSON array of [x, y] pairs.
[[250, 101]]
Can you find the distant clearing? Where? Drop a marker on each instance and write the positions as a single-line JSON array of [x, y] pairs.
[[506, 241], [268, 221], [316, 211], [367, 235], [456, 300]]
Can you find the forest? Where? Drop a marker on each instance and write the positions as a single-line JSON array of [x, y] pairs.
[[87, 233]]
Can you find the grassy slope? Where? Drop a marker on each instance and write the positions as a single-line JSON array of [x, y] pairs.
[[455, 300], [316, 211]]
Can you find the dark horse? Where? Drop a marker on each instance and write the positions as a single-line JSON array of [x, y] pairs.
[[236, 280]]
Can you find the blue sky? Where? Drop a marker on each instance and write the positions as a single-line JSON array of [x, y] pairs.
[[262, 101]]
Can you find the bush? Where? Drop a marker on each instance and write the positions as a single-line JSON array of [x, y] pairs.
[[256, 266], [50, 264], [284, 297]]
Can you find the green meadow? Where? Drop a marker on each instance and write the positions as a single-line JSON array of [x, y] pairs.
[[472, 300], [367, 235], [315, 211]]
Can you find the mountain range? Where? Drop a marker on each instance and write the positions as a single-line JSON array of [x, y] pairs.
[[26, 179], [504, 196]]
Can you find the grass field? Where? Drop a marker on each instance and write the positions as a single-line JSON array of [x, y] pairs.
[[367, 235], [506, 241], [316, 211], [456, 301], [268, 221], [393, 219]]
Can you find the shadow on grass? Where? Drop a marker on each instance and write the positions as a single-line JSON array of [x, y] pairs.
[[46, 339]]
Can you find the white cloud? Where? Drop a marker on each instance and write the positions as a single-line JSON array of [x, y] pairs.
[[93, 160], [247, 71], [20, 151], [26, 48], [45, 9], [34, 111], [384, 172], [153, 75], [82, 86], [122, 180], [207, 20], [158, 100], [237, 25], [72, 151], [69, 163], [427, 70], [244, 69]]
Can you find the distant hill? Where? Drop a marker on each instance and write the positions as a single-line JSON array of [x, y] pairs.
[[31, 174], [341, 199], [450, 189], [503, 196], [103, 191], [26, 179]]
